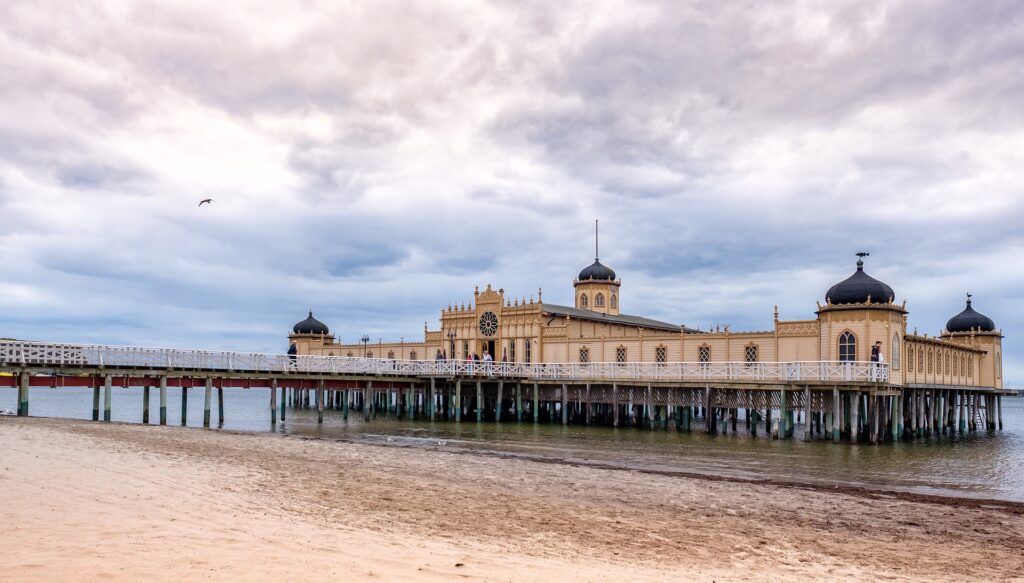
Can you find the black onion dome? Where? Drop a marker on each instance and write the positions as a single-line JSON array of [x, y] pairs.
[[597, 271], [968, 320], [857, 288], [311, 326]]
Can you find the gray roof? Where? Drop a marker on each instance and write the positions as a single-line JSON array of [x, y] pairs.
[[623, 320]]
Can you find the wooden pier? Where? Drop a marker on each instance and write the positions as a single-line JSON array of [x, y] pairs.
[[835, 401]]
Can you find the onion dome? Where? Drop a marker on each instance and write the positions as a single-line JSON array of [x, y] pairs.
[[857, 288], [969, 320], [597, 272], [311, 326]]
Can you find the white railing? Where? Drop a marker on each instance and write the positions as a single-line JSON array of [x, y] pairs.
[[69, 355]]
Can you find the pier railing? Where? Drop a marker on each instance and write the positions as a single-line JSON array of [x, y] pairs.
[[92, 356]]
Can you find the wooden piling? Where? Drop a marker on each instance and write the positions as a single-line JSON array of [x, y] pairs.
[[457, 408], [163, 400], [536, 403], [145, 404], [206, 402], [95, 401], [519, 402], [320, 402], [565, 405], [23, 388], [807, 414], [106, 397], [220, 403], [497, 405], [999, 410], [615, 404], [273, 402]]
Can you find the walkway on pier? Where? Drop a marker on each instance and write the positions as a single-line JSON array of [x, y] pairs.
[[838, 400]]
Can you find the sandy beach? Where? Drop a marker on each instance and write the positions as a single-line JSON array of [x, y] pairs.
[[90, 501]]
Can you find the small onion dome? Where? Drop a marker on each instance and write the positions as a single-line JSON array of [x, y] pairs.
[[857, 288], [598, 272], [969, 320], [311, 326]]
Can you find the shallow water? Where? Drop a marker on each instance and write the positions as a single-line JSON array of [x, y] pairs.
[[985, 465]]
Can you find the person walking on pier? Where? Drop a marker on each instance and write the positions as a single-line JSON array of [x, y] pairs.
[[293, 352]]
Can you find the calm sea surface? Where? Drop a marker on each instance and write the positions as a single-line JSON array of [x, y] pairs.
[[980, 465]]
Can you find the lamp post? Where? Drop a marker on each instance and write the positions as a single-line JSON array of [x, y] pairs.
[[366, 340]]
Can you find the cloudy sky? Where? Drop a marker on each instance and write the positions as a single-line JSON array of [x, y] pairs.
[[377, 160]]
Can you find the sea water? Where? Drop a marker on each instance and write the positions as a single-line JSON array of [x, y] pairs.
[[981, 464]]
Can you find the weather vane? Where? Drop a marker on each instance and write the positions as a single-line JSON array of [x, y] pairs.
[[863, 254]]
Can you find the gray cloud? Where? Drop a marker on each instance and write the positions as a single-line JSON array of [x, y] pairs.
[[377, 162]]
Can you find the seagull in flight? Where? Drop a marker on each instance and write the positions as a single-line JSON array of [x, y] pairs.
[[205, 201]]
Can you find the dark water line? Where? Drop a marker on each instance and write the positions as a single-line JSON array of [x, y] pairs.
[[980, 465]]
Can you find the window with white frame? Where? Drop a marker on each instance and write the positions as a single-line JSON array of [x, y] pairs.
[[620, 354], [847, 347], [896, 351], [661, 355], [584, 354], [599, 300], [751, 353], [583, 301], [704, 354]]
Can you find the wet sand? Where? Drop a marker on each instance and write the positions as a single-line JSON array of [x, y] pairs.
[[91, 501]]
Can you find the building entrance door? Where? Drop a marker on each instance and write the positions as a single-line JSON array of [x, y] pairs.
[[488, 346]]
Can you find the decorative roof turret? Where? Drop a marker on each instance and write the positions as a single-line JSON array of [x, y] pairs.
[[596, 271], [860, 288], [970, 321], [311, 326]]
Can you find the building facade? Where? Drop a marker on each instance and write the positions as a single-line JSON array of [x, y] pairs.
[[857, 313]]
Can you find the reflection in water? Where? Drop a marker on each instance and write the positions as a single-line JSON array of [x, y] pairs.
[[980, 464]]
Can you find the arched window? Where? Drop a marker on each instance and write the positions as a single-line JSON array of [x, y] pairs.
[[963, 365], [704, 354], [529, 351], [584, 354], [620, 353], [465, 348], [970, 367], [750, 353], [614, 302], [599, 300], [946, 369], [391, 354], [660, 354], [910, 359], [896, 351], [956, 365], [512, 350], [583, 301], [999, 365], [847, 347]]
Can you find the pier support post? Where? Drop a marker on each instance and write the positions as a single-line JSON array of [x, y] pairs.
[[184, 403], [457, 408], [273, 402], [854, 416], [565, 405], [836, 417], [589, 404], [106, 398], [999, 410], [320, 402], [366, 400], [807, 414], [95, 401], [145, 404], [497, 405], [519, 402], [615, 404], [163, 400], [479, 402], [207, 395], [220, 403], [433, 399], [536, 403], [23, 386], [346, 398]]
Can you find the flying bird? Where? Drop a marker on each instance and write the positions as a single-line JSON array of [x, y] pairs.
[[205, 201]]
